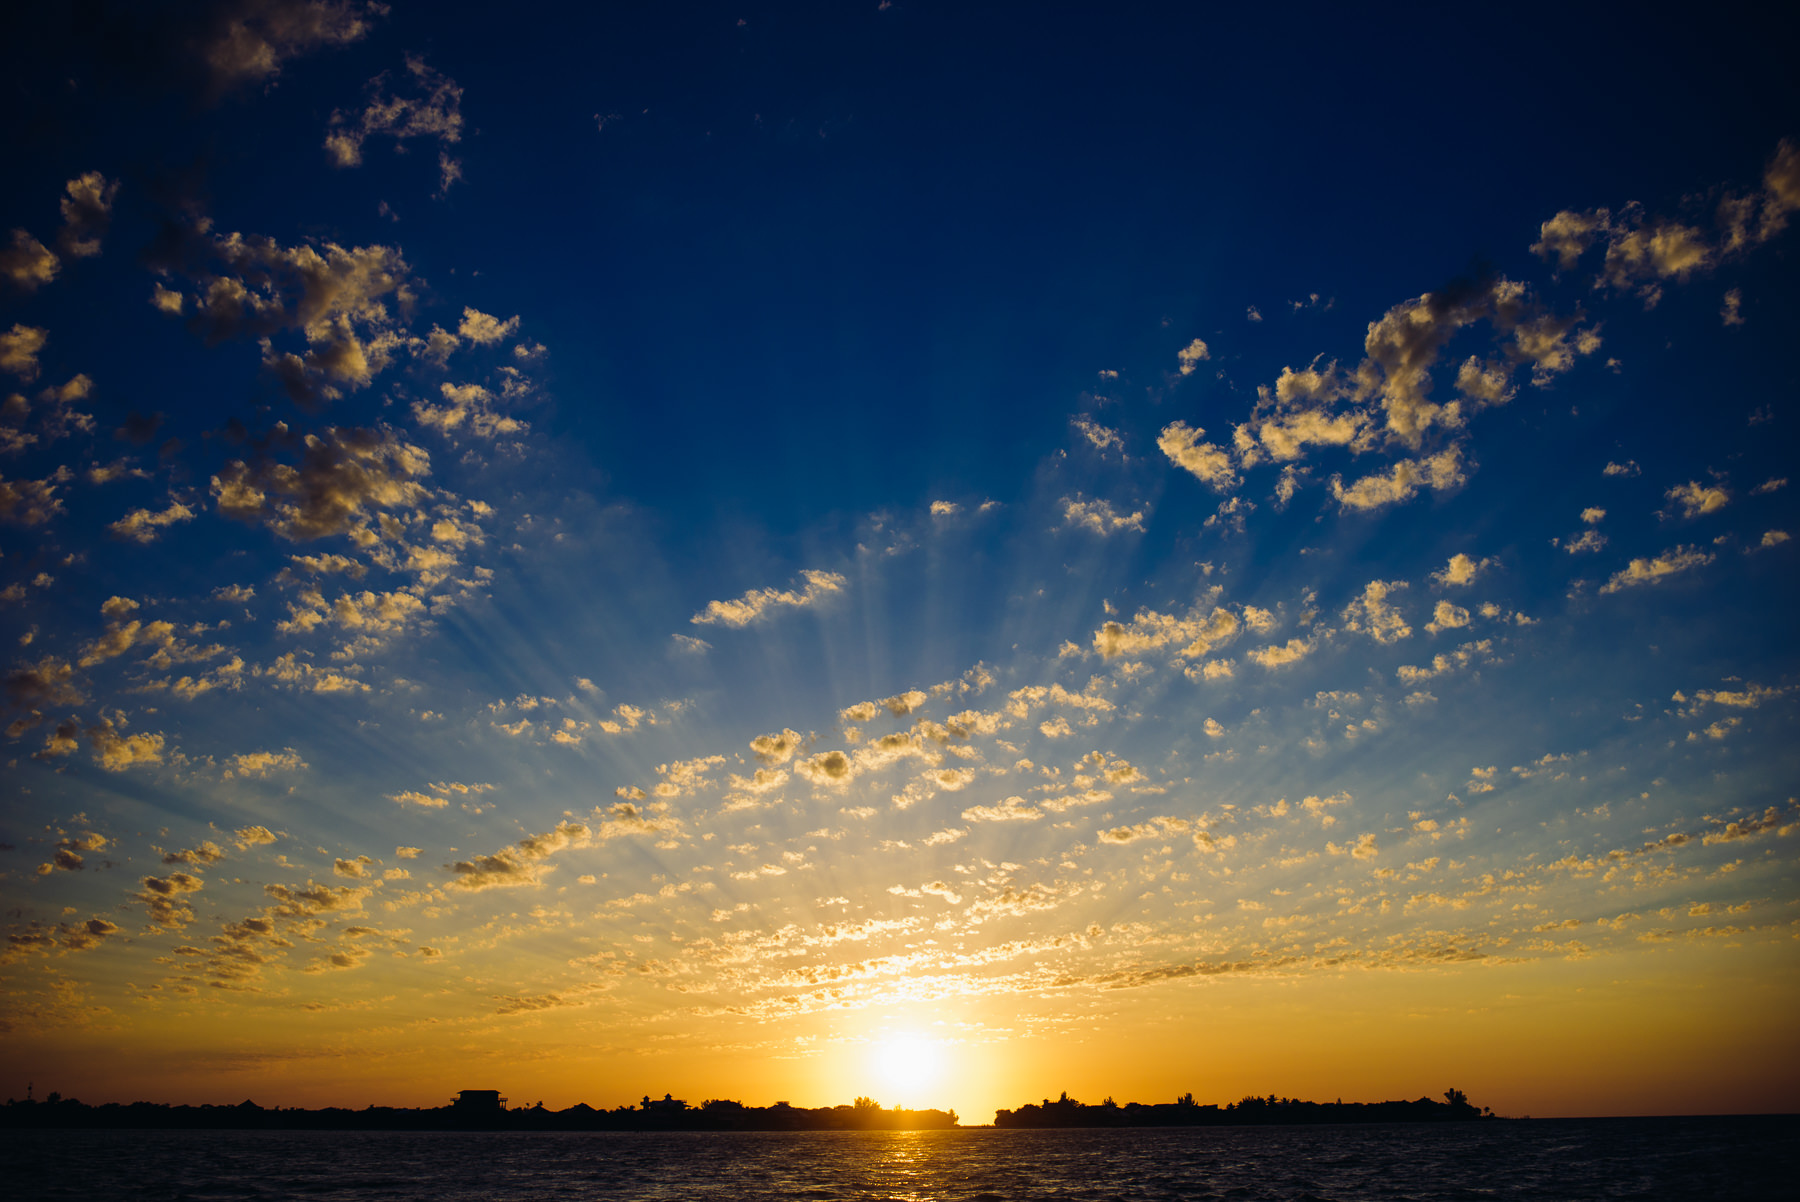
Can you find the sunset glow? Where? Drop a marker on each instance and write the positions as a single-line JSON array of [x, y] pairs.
[[909, 1066], [931, 554]]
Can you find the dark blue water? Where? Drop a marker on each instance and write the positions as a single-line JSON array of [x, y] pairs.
[[1710, 1158]]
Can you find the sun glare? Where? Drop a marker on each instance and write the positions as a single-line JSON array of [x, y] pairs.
[[907, 1064]]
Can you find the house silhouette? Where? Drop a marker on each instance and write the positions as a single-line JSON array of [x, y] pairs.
[[482, 1101]]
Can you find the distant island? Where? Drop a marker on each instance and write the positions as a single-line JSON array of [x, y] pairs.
[[486, 1110], [478, 1110], [1250, 1111]]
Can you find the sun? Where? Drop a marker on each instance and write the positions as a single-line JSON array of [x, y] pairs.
[[908, 1064]]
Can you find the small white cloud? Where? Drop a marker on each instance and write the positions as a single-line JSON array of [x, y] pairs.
[[1191, 355]]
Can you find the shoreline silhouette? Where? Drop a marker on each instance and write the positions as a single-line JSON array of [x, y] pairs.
[[486, 1110]]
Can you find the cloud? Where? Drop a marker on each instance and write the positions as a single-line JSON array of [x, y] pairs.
[[690, 645], [1299, 412], [1102, 439], [115, 752], [1627, 469], [1209, 463], [829, 768], [624, 818], [354, 869], [1461, 570], [67, 855], [1749, 828], [685, 776], [435, 113], [777, 748], [248, 41], [69, 937], [27, 263], [521, 864], [367, 613], [87, 212], [1654, 571], [898, 705], [1099, 517], [1695, 499], [253, 836], [143, 525], [32, 502], [294, 902], [1155, 828], [165, 898], [1320, 807], [250, 286], [467, 407], [757, 603], [1371, 613], [1191, 355], [261, 763], [19, 349], [1731, 312], [50, 681], [207, 853], [1403, 481], [1643, 251], [289, 669], [1402, 347], [1150, 631], [1276, 655], [120, 637], [484, 329], [1363, 849], [763, 780], [1447, 617], [1011, 809], [1587, 540], [343, 477], [1462, 657]]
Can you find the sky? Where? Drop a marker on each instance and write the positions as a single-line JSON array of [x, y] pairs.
[[947, 553]]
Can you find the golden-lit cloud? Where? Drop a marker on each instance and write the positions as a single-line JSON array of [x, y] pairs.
[[1655, 570], [1192, 355], [26, 263], [523, 863], [1461, 570], [87, 213], [436, 113], [1374, 614], [249, 41], [1402, 482], [1694, 499], [19, 349], [1208, 463], [1099, 517], [342, 480], [143, 525], [758, 603]]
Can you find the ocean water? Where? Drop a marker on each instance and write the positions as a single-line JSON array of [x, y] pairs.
[[1709, 1158]]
